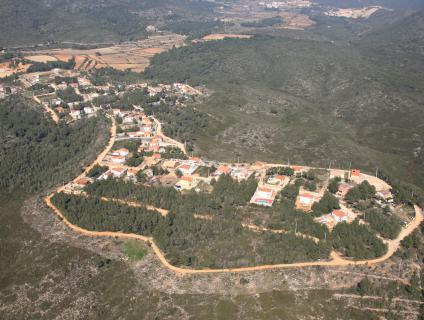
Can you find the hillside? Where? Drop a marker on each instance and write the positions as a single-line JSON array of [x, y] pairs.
[[32, 22], [313, 102]]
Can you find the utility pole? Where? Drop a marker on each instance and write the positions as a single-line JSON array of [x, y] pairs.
[[376, 173], [295, 228], [350, 166]]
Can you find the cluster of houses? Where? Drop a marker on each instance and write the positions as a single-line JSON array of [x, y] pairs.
[[83, 87], [306, 198], [189, 172], [179, 90]]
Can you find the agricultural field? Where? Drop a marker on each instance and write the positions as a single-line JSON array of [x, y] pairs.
[[134, 56]]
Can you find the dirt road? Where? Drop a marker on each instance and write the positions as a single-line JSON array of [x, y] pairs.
[[53, 114], [335, 262], [159, 132], [100, 157]]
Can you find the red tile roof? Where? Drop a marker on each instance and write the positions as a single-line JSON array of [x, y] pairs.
[[339, 213]]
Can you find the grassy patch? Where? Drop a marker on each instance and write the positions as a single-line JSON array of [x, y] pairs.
[[134, 250]]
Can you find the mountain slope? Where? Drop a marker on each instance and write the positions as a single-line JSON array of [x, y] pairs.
[[313, 102], [33, 21]]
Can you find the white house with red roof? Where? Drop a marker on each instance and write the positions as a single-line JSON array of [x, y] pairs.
[[222, 170], [339, 216], [187, 168], [185, 183], [118, 172], [306, 199], [264, 196]]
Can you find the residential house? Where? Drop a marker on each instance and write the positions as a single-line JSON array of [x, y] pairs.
[[187, 168], [277, 180], [355, 173], [185, 183], [82, 182], [304, 201], [258, 165], [297, 169], [75, 114], [344, 189], [118, 172], [241, 173], [385, 195], [88, 110], [195, 160], [263, 196], [222, 170], [118, 159], [123, 152], [339, 216]]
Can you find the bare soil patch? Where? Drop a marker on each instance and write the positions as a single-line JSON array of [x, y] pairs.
[[133, 55], [295, 21]]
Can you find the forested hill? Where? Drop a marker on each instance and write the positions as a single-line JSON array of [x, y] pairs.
[[406, 35], [310, 101], [36, 153], [88, 21]]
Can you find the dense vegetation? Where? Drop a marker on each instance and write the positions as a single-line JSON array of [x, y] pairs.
[[284, 216], [49, 65], [386, 224], [194, 28], [363, 191], [356, 240], [94, 214], [326, 204], [267, 22], [219, 241], [283, 96], [36, 153], [69, 95], [91, 22]]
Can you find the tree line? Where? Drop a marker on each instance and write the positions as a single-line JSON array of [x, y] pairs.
[[36, 153]]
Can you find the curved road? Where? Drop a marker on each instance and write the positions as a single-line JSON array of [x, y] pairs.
[[392, 245]]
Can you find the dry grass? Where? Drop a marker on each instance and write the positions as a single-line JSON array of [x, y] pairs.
[[295, 21], [41, 58], [221, 36], [6, 70]]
